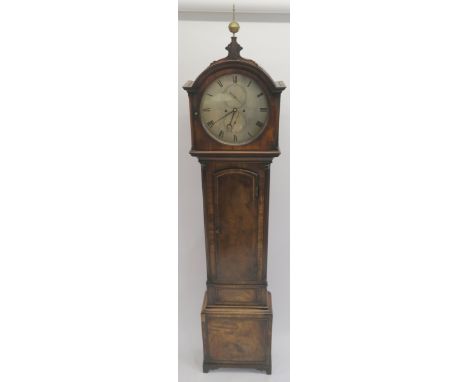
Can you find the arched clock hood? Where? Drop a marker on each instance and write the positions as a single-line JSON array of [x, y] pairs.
[[267, 143]]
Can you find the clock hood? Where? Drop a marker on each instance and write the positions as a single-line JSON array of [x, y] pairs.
[[265, 144]]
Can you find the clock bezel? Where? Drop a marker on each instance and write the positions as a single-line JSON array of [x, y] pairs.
[[262, 88]]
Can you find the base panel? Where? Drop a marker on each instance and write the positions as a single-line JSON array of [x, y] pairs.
[[237, 336]]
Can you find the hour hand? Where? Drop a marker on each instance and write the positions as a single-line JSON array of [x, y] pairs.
[[229, 125]]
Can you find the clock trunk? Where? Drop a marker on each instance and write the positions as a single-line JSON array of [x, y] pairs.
[[236, 195]]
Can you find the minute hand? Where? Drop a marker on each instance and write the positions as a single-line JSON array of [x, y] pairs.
[[224, 116]]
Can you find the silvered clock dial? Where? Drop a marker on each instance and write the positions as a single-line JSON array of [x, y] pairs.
[[234, 109]]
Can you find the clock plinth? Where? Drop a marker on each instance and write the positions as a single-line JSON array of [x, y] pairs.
[[234, 119], [237, 336]]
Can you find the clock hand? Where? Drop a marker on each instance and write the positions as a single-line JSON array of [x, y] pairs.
[[237, 116], [224, 116], [240, 126], [229, 125], [232, 116]]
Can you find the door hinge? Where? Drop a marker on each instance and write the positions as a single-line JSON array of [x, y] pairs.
[[256, 190]]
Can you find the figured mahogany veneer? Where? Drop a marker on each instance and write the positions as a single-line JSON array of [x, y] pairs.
[[237, 336]]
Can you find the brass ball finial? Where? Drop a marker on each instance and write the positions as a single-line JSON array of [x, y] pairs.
[[234, 25]]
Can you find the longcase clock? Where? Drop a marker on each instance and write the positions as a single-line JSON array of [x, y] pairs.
[[234, 117]]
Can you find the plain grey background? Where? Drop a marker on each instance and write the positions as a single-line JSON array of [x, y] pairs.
[[202, 38], [88, 246]]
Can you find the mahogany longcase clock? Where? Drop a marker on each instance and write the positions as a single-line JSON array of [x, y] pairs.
[[234, 117]]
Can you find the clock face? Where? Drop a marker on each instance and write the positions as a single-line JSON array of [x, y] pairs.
[[234, 109]]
